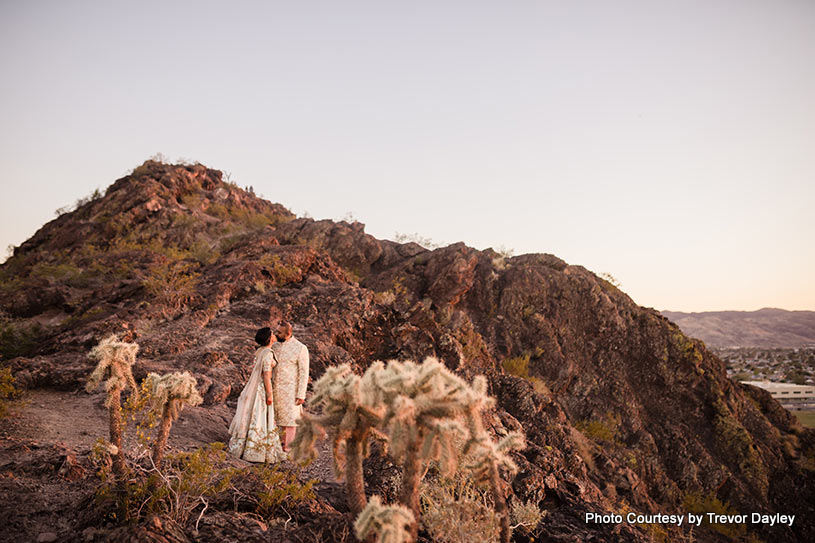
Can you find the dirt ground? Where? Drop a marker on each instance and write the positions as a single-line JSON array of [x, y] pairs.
[[44, 433]]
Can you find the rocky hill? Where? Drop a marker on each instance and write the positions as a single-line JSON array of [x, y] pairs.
[[622, 411], [767, 328]]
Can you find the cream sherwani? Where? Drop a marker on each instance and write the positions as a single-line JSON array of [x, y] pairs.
[[290, 380]]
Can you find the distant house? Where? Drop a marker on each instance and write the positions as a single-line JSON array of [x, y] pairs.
[[791, 396]]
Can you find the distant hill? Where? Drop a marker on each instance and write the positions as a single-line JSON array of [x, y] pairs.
[[768, 327]]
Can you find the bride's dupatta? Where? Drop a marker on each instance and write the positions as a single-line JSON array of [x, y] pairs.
[[239, 427]]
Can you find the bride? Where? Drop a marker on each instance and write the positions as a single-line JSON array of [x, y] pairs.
[[253, 434]]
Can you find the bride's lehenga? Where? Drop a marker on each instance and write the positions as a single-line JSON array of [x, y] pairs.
[[253, 433]]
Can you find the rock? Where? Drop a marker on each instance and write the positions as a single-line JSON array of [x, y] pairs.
[[47, 537], [217, 393], [70, 469]]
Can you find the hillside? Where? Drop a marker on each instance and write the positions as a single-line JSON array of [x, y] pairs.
[[767, 328], [622, 411]]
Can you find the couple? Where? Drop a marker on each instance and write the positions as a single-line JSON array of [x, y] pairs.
[[272, 397]]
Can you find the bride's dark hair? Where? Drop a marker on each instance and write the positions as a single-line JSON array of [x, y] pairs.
[[263, 336]]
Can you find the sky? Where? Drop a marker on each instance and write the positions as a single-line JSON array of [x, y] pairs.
[[669, 144]]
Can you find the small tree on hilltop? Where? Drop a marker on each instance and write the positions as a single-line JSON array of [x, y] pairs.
[[169, 393], [115, 360]]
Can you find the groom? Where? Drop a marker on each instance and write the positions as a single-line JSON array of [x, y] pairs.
[[290, 380]]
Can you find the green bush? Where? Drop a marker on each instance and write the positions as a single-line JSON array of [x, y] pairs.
[[8, 390], [540, 386], [518, 366], [734, 441], [171, 285], [189, 482], [604, 429], [18, 338], [699, 502], [282, 272]]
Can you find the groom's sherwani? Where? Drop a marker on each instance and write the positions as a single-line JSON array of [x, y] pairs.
[[290, 380]]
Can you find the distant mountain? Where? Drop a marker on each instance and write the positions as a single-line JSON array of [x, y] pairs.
[[768, 327]]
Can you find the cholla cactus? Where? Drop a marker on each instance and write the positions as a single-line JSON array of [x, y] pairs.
[[169, 393], [422, 410], [389, 523], [350, 408], [426, 404], [115, 360], [487, 456]]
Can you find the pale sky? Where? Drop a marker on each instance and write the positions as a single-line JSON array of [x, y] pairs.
[[669, 143]]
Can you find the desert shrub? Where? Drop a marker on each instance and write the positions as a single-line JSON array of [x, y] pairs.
[[456, 511], [389, 297], [203, 252], [66, 272], [686, 347], [185, 485], [95, 195], [386, 297], [518, 366], [504, 251], [219, 210], [525, 516], [171, 285], [192, 200], [808, 459], [190, 483], [604, 429], [8, 390], [657, 533], [354, 273], [255, 220], [275, 489], [249, 219], [282, 273], [83, 316], [424, 242], [10, 279], [699, 502], [19, 338], [608, 280], [733, 440], [146, 243], [233, 238], [540, 386]]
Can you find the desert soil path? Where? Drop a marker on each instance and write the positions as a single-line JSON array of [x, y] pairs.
[[78, 419]]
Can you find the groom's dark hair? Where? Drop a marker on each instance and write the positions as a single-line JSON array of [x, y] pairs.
[[263, 336]]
